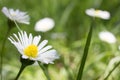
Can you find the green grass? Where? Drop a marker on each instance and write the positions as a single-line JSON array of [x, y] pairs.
[[73, 23]]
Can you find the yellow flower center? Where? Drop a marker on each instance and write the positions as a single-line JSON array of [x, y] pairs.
[[31, 51], [13, 14], [97, 11]]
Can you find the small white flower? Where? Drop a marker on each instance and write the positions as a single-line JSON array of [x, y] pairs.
[[44, 25], [107, 37], [31, 48], [98, 13], [58, 35], [19, 16]]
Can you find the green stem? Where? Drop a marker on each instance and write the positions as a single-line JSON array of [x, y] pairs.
[[112, 70], [70, 77], [14, 22], [2, 51], [25, 63], [20, 71], [45, 70], [17, 25], [79, 76]]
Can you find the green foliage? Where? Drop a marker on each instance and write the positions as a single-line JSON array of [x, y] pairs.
[[73, 23]]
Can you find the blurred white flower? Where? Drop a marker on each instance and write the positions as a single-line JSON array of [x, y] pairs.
[[18, 16], [58, 35], [107, 37], [44, 25], [98, 13], [31, 48]]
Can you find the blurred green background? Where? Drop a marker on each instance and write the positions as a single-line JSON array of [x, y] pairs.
[[73, 25]]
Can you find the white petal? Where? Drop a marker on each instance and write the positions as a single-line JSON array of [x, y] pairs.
[[44, 49], [17, 37], [42, 44], [90, 12], [6, 12], [11, 39], [20, 37], [24, 56], [30, 38], [26, 39], [104, 15], [48, 57], [36, 40]]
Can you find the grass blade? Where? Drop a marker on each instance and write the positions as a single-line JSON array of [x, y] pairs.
[[79, 75], [112, 70]]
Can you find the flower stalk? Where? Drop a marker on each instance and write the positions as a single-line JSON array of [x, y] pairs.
[[45, 70], [10, 25], [21, 70], [79, 75], [2, 51], [25, 63]]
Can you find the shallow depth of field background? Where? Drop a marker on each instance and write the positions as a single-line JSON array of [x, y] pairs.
[[67, 37]]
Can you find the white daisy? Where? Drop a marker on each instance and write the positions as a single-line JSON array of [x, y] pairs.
[[44, 24], [107, 37], [19, 16], [31, 48], [98, 13]]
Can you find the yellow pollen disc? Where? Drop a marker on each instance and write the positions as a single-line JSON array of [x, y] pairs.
[[97, 11], [31, 51], [13, 14]]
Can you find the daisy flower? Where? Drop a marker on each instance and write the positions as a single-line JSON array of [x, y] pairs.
[[31, 48], [98, 13], [16, 15], [107, 37], [44, 25]]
